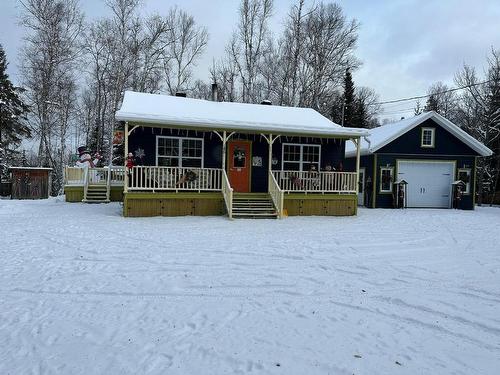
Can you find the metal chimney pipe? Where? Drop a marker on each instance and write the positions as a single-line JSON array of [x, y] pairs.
[[215, 93]]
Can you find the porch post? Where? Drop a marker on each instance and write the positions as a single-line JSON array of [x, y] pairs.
[[224, 141], [270, 143], [358, 154], [125, 179]]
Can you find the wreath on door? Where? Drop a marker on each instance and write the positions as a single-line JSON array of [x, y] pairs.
[[239, 153]]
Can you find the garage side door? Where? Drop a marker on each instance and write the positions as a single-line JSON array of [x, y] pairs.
[[429, 183]]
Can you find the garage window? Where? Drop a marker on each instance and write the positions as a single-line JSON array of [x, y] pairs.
[[428, 137], [386, 179], [464, 176]]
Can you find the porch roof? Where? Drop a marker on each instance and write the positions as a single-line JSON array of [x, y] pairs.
[[166, 110]]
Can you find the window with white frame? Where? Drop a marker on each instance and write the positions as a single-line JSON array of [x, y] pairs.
[[179, 152], [428, 135], [386, 179], [300, 157], [464, 175]]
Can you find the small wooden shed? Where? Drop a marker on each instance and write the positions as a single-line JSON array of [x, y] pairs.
[[30, 182]]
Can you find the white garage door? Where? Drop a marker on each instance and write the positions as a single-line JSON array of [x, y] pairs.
[[429, 183]]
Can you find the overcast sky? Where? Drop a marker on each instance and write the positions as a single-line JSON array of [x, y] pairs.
[[405, 45]]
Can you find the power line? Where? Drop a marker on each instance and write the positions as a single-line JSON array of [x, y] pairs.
[[428, 95]]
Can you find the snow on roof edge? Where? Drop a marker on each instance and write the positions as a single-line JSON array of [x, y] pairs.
[[227, 116], [203, 123]]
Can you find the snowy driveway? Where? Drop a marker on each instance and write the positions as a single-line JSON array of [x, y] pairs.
[[86, 291]]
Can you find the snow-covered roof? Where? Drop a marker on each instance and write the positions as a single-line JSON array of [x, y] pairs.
[[200, 114], [33, 168], [383, 135]]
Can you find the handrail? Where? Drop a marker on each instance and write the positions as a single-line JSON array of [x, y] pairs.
[[276, 194], [108, 184], [227, 192], [316, 182], [85, 182]]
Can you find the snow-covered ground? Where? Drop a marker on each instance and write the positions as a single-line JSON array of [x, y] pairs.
[[86, 291]]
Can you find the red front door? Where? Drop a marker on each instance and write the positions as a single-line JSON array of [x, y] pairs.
[[239, 165]]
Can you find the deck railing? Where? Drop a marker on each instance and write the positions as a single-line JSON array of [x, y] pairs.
[[227, 192], [76, 176], [276, 193], [316, 182], [175, 178]]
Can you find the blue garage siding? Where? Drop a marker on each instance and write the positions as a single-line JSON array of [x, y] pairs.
[[445, 143]]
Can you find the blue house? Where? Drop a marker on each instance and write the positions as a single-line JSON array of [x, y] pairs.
[[201, 157], [425, 156]]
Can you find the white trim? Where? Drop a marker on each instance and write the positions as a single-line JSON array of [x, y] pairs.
[[362, 181], [380, 190], [407, 125], [180, 157], [433, 137], [301, 161], [468, 184]]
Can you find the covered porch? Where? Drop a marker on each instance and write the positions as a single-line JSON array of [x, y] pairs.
[[212, 172], [245, 160]]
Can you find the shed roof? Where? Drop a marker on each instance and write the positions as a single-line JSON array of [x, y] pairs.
[[32, 168], [383, 135], [203, 114]]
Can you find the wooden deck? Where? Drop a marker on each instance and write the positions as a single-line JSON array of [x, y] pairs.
[[297, 204], [141, 204]]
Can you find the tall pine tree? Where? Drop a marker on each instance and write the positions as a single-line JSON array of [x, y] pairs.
[[349, 100], [432, 104], [12, 116]]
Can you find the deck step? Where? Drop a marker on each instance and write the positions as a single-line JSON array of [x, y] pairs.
[[253, 206], [96, 194], [255, 215], [95, 200]]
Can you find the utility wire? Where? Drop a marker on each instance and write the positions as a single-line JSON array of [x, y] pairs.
[[428, 95]]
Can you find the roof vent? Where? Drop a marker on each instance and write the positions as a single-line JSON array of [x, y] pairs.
[[180, 94], [266, 102]]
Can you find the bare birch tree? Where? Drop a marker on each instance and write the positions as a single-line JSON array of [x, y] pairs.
[[48, 65], [479, 115], [186, 42], [247, 44]]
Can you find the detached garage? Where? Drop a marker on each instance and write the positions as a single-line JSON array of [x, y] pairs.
[[427, 154]]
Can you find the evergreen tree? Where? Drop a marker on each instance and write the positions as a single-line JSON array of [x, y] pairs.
[[432, 104], [360, 114], [418, 108], [349, 101], [12, 115]]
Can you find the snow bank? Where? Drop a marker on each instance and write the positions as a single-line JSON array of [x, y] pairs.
[[84, 290]]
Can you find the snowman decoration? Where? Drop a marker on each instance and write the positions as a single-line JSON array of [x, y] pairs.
[[85, 160]]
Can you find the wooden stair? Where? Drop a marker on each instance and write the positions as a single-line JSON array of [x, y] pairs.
[[253, 206], [97, 194]]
